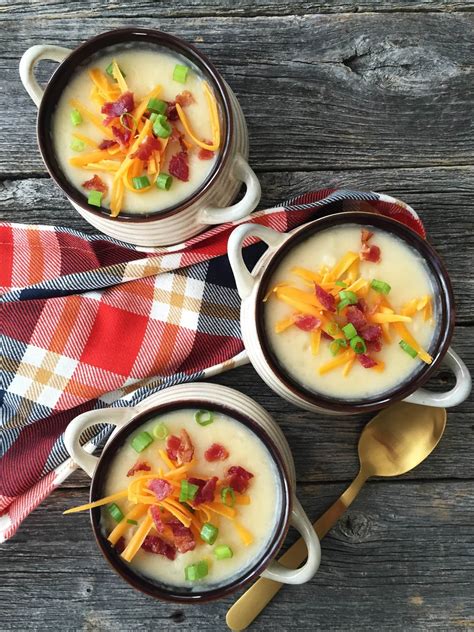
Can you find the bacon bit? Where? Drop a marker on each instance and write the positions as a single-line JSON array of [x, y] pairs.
[[206, 491], [356, 317], [155, 513], [328, 301], [370, 253], [325, 335], [180, 449], [371, 333], [205, 154], [362, 305], [145, 150], [365, 235], [95, 184], [185, 98], [154, 544], [122, 105], [307, 323], [238, 478], [122, 134], [106, 144], [216, 452], [183, 536], [178, 136], [172, 445], [179, 166], [374, 346], [366, 361], [120, 545], [171, 111], [140, 466], [161, 488]]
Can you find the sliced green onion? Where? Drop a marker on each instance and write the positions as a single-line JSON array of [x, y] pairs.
[[347, 295], [336, 344], [77, 145], [349, 331], [157, 106], [180, 73], [204, 417], [340, 283], [95, 198], [161, 127], [160, 431], [123, 121], [115, 511], [189, 508], [164, 181], [380, 286], [333, 329], [209, 533], [153, 117], [408, 348], [76, 117], [187, 491], [342, 304], [358, 344], [223, 552], [110, 70], [193, 572], [228, 492], [141, 441], [132, 521], [140, 182]]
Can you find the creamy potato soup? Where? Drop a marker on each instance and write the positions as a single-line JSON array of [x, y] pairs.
[[350, 313], [192, 499], [137, 130]]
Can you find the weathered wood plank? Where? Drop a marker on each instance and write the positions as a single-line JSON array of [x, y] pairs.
[[319, 91], [444, 197], [401, 555]]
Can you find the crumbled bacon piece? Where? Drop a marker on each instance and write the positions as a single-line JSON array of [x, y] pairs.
[[356, 317], [154, 544], [205, 154], [95, 184], [370, 253], [374, 346], [327, 300], [140, 466], [122, 134], [155, 513], [182, 536], [179, 166], [161, 488], [325, 335], [238, 478], [366, 361], [216, 452], [371, 333], [362, 305], [145, 150], [306, 322], [180, 449], [106, 144], [171, 111], [207, 489], [120, 545], [172, 444], [365, 235], [122, 105], [185, 98]]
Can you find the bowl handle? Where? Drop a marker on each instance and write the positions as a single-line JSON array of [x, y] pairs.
[[279, 573], [244, 280], [28, 62], [242, 171], [115, 416], [456, 395]]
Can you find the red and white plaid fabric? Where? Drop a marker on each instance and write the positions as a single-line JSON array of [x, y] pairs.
[[89, 322]]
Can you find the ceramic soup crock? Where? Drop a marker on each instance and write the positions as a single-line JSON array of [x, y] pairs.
[[243, 409], [252, 287], [209, 204]]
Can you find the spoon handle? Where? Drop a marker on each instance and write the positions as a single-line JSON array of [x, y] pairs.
[[254, 600]]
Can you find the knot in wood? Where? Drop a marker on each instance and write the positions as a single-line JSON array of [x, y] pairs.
[[354, 526]]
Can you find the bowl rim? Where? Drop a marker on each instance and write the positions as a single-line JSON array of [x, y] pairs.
[[178, 594], [438, 348], [86, 50]]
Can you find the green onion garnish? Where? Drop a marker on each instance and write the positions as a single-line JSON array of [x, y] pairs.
[[160, 431], [358, 344], [223, 552], [197, 571], [349, 331], [124, 123], [347, 295], [95, 198], [333, 329], [340, 283], [140, 182], [336, 344], [76, 117], [204, 417], [180, 73], [153, 117], [209, 533], [157, 106], [77, 145], [115, 511], [187, 491], [342, 304], [164, 181], [380, 286], [408, 348], [141, 441], [110, 70], [228, 492], [161, 127], [132, 522]]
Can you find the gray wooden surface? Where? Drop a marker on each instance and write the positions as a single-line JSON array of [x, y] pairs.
[[374, 95]]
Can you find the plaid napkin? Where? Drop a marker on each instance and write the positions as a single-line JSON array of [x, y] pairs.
[[90, 322]]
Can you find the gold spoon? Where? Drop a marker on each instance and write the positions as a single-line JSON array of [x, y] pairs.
[[394, 442]]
